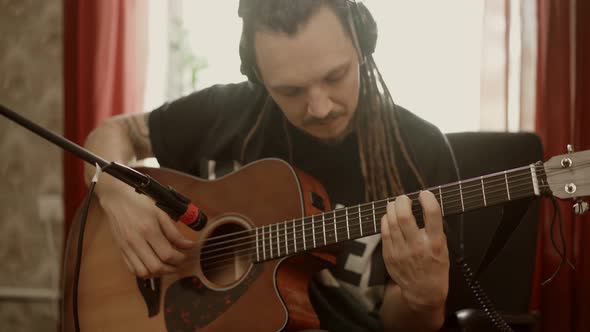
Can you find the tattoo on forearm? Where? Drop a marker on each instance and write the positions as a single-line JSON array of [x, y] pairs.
[[137, 127]]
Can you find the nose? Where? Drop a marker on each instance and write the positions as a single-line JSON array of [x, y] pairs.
[[319, 103]]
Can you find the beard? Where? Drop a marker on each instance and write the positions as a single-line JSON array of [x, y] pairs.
[[332, 140]]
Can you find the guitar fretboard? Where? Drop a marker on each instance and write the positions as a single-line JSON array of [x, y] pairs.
[[294, 236]]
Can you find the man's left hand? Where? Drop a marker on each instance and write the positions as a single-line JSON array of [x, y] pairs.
[[416, 259]]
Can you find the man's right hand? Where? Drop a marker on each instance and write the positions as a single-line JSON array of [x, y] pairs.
[[149, 240]]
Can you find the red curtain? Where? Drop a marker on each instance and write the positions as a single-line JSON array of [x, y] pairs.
[[104, 71], [563, 112]]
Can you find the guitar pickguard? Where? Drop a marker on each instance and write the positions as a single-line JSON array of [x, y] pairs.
[[189, 305]]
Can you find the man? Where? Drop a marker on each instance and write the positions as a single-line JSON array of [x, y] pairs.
[[317, 101]]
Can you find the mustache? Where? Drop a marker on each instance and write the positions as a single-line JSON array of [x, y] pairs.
[[311, 120]]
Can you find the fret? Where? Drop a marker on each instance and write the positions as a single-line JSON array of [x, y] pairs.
[[301, 235], [522, 185], [324, 226], [535, 181], [313, 231], [483, 192], [347, 226], [329, 233], [495, 189], [360, 220], [270, 239], [263, 244], [303, 228], [368, 223], [364, 221], [354, 224], [335, 228], [341, 224], [257, 248], [461, 193], [286, 242], [473, 194], [374, 219], [318, 230], [452, 199], [278, 241], [507, 189], [294, 237]]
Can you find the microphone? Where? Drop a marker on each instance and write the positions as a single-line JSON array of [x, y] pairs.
[[177, 206]]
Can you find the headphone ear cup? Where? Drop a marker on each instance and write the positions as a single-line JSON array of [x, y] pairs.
[[247, 64], [366, 28]]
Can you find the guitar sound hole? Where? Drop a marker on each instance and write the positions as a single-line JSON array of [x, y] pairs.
[[226, 255]]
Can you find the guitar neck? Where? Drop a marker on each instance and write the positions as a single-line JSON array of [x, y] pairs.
[[294, 236]]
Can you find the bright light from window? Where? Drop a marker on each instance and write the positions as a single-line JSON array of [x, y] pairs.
[[215, 30], [428, 52]]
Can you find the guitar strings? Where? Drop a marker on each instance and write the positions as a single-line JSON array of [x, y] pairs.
[[250, 253], [334, 225], [321, 222], [356, 220], [251, 250], [313, 228], [228, 259], [276, 236], [357, 225], [450, 203], [449, 193], [540, 169]]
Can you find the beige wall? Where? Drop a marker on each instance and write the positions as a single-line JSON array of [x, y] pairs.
[[31, 214]]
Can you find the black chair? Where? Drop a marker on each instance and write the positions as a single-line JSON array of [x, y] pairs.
[[507, 280]]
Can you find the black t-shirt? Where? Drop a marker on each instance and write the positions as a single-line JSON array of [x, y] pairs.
[[202, 134]]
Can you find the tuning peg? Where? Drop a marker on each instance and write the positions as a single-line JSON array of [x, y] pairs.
[[581, 207], [570, 148]]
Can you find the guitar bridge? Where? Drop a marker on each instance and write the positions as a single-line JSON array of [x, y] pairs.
[[150, 290]]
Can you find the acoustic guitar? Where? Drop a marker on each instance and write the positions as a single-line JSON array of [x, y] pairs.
[[268, 230]]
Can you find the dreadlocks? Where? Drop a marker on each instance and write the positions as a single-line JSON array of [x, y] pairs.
[[376, 115]]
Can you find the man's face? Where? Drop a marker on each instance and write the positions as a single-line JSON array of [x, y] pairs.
[[313, 75]]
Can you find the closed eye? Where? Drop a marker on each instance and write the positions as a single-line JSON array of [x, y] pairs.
[[336, 75], [289, 91]]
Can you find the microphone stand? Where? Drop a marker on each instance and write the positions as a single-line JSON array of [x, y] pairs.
[[177, 206]]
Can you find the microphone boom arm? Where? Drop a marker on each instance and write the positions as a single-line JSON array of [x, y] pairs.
[[177, 206]]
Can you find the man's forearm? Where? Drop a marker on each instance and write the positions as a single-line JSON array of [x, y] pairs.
[[122, 139], [398, 315]]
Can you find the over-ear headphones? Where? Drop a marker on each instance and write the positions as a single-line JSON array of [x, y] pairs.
[[363, 29]]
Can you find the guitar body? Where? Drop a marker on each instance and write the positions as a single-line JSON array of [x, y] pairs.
[[232, 293]]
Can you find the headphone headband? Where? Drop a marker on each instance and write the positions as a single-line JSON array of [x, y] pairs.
[[363, 30]]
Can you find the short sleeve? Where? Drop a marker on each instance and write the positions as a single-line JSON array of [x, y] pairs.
[[205, 123]]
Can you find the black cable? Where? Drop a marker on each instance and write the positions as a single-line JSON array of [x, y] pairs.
[[563, 252], [84, 216], [556, 206], [458, 252], [481, 296]]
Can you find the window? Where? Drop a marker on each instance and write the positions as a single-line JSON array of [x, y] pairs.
[[429, 53]]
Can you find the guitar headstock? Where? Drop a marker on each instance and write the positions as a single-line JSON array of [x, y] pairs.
[[568, 175]]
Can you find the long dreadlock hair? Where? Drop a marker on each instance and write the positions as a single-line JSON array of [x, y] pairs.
[[376, 122]]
